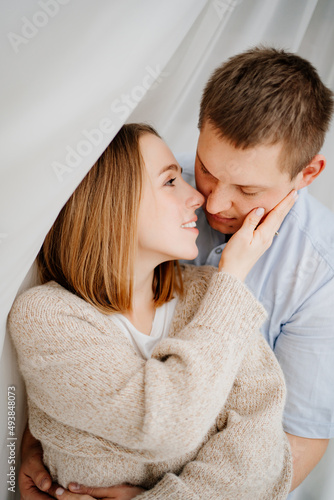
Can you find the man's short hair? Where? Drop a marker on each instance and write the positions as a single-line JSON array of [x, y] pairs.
[[269, 96]]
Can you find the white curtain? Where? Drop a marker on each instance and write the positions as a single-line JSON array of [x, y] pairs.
[[73, 71]]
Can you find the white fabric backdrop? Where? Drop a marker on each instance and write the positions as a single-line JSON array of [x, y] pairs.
[[75, 70]]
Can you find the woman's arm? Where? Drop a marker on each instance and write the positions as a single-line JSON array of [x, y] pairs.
[[92, 380], [95, 382], [250, 456], [271, 223]]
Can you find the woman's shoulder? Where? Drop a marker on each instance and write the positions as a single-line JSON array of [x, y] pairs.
[[51, 319], [44, 301]]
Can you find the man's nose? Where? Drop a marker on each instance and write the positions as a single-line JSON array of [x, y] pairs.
[[219, 199]]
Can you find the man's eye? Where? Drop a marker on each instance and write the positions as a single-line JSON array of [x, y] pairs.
[[170, 182], [248, 194], [204, 170]]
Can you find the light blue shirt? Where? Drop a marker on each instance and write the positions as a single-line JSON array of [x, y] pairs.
[[294, 280]]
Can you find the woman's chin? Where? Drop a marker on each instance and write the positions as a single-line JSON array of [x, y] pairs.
[[191, 255]]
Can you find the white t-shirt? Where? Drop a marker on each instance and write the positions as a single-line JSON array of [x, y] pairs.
[[145, 344]]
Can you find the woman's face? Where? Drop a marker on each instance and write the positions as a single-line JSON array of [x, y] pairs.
[[166, 218]]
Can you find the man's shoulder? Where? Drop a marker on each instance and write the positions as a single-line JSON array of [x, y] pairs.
[[300, 262], [310, 223]]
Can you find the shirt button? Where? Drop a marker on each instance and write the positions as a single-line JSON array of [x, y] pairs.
[[218, 250]]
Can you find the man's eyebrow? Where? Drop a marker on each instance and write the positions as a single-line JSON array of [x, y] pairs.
[[173, 167], [251, 186], [199, 158], [203, 164]]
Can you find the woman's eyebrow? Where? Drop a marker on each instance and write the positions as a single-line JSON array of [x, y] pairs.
[[173, 167]]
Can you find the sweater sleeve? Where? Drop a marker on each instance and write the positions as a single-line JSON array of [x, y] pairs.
[[94, 381], [249, 457]]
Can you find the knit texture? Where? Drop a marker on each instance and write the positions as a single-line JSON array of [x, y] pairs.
[[199, 420]]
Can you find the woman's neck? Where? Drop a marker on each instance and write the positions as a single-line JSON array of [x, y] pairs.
[[143, 309]]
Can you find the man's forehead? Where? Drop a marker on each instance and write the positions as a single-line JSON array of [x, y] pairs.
[[234, 175], [259, 164], [211, 138]]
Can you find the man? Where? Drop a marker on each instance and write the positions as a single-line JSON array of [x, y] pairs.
[[262, 122], [263, 119]]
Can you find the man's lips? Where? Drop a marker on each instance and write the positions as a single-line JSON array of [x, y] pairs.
[[223, 220]]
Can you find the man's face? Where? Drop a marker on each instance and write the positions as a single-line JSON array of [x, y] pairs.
[[234, 181]]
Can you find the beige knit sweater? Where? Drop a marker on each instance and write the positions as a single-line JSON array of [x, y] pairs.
[[200, 420]]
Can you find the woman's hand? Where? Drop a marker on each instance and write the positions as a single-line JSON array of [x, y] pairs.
[[253, 238], [119, 492]]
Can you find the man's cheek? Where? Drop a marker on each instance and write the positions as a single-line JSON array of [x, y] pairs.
[[201, 186], [204, 190], [245, 208]]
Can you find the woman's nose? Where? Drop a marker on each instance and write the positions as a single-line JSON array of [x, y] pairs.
[[195, 200]]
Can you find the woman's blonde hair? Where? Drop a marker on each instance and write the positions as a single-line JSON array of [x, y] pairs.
[[90, 249]]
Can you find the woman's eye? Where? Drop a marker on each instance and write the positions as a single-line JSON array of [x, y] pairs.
[[170, 182]]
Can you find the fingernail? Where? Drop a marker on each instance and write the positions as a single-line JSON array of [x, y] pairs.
[[42, 483], [259, 212], [74, 486], [295, 194], [59, 491]]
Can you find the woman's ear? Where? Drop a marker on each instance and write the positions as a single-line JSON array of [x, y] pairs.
[[311, 171]]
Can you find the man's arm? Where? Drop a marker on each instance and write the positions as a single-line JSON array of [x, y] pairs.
[[306, 454], [305, 351]]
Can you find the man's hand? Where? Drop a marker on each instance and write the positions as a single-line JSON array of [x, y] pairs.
[[306, 454], [33, 477], [119, 492]]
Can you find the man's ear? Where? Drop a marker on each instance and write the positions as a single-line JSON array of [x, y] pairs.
[[311, 171]]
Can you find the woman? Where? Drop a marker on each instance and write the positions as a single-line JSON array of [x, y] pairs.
[[137, 371]]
